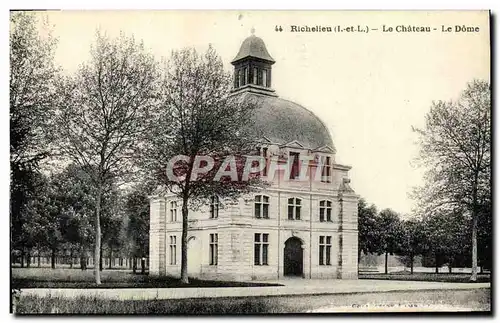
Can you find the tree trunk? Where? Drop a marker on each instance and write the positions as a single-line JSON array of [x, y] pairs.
[[83, 261], [53, 259], [473, 277], [143, 265], [134, 264], [39, 263], [110, 257], [184, 268], [386, 260], [22, 257], [475, 212], [412, 259], [71, 259], [101, 263], [28, 259], [97, 254], [450, 268], [437, 264]]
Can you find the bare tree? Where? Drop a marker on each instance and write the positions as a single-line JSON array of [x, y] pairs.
[[199, 117], [106, 113], [455, 147]]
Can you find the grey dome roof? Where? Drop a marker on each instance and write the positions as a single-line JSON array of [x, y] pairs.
[[253, 46], [282, 121]]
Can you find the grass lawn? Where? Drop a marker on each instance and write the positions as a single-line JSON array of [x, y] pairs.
[[441, 277], [447, 300], [76, 278]]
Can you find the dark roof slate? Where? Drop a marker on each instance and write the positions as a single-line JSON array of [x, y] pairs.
[[282, 121], [253, 46]]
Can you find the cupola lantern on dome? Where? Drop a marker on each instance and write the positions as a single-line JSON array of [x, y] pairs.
[[252, 67]]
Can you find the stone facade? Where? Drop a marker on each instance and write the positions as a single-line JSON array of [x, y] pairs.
[[290, 237], [236, 226]]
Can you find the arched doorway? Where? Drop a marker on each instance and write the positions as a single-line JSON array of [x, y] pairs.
[[293, 258]]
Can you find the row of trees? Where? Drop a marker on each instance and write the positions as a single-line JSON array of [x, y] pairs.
[[57, 220], [58, 190], [452, 223], [119, 119], [439, 238]]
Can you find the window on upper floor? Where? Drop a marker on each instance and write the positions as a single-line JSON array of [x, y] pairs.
[[325, 211], [263, 153], [214, 207], [173, 211], [242, 76], [259, 76], [261, 206], [326, 173], [293, 163], [294, 206]]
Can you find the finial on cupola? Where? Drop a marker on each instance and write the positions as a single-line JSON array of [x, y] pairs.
[[252, 31]]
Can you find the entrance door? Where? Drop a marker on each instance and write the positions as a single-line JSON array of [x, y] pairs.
[[293, 259]]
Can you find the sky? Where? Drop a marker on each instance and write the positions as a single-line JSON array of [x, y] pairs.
[[370, 89]]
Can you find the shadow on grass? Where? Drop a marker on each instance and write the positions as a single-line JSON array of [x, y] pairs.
[[137, 282], [66, 278]]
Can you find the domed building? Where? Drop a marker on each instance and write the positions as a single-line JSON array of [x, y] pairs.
[[292, 227]]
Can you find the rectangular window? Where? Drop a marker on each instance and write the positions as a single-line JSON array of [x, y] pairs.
[[259, 76], [265, 208], [261, 206], [242, 77], [294, 208], [173, 250], [255, 75], [328, 250], [325, 249], [214, 207], [264, 77], [325, 211], [326, 171], [295, 168], [214, 248], [261, 246], [173, 211], [246, 76]]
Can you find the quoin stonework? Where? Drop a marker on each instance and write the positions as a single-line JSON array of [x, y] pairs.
[[292, 228]]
